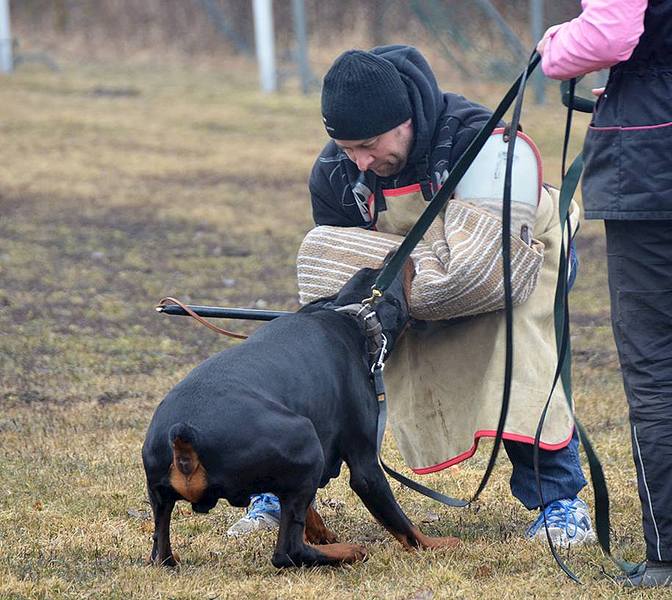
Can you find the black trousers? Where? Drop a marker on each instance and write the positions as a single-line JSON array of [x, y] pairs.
[[639, 258]]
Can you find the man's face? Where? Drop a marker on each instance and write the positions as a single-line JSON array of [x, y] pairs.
[[385, 154]]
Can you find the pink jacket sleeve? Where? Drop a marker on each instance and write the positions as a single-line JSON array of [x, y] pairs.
[[605, 33]]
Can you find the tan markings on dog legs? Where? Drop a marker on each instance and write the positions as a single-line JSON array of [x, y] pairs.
[[342, 553], [425, 542], [316, 530], [187, 475]]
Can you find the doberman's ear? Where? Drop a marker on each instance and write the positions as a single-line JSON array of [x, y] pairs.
[[388, 257], [407, 274]]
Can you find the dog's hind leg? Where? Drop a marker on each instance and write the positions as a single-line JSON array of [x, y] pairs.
[[302, 473], [162, 507], [292, 551], [369, 483]]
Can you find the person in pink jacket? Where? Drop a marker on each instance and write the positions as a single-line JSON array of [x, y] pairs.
[[627, 181]]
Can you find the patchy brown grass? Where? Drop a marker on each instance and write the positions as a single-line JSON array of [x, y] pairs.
[[195, 185]]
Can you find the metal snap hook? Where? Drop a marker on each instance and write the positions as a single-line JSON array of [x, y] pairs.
[[375, 294]]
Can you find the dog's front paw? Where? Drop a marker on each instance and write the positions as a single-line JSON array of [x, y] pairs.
[[426, 542], [432, 543], [343, 553]]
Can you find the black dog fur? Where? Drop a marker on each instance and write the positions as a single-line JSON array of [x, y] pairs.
[[279, 413]]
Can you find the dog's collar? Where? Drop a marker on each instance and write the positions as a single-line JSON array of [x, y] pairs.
[[368, 319]]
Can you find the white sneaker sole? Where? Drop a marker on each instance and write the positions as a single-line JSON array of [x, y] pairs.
[[245, 526], [559, 538]]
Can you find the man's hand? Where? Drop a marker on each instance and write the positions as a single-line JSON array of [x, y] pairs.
[[597, 91]]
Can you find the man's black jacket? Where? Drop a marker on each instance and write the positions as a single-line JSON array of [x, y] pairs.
[[443, 124]]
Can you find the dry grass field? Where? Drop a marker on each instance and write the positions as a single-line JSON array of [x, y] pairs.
[[121, 185]]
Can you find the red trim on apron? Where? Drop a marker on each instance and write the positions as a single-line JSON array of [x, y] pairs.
[[402, 191], [491, 433], [393, 193]]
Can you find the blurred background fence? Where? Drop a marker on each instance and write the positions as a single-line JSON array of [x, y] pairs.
[[475, 40]]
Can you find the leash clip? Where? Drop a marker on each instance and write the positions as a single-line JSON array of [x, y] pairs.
[[375, 294], [379, 365], [377, 371]]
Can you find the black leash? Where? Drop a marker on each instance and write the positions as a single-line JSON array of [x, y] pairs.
[[561, 317], [506, 264], [379, 386], [389, 272], [443, 194], [570, 180]]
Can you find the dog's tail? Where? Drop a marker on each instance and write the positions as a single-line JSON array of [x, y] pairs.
[[187, 475]]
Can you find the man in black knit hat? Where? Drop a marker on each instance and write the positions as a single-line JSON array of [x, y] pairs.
[[395, 136]]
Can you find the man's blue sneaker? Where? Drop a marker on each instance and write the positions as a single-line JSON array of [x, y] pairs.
[[568, 523], [263, 513]]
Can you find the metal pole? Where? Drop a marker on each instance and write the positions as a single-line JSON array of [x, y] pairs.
[[6, 60], [299, 10], [510, 37], [537, 30], [221, 23], [263, 33]]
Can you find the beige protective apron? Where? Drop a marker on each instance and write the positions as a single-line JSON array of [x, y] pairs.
[[445, 378]]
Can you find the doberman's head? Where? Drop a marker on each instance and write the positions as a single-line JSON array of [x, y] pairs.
[[392, 308]]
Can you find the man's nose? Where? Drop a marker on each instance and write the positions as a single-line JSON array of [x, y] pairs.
[[363, 160]]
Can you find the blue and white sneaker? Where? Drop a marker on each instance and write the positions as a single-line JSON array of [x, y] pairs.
[[262, 513], [568, 523]]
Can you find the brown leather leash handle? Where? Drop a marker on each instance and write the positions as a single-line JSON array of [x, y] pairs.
[[201, 320]]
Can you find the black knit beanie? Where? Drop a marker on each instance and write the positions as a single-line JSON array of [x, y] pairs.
[[363, 96]]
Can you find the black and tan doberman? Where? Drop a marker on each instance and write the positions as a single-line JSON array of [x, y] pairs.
[[280, 413]]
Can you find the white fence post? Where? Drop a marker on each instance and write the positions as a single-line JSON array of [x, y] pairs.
[[263, 35], [537, 30], [6, 60], [299, 10]]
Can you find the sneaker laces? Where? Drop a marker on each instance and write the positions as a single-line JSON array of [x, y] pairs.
[[263, 504], [563, 514]]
